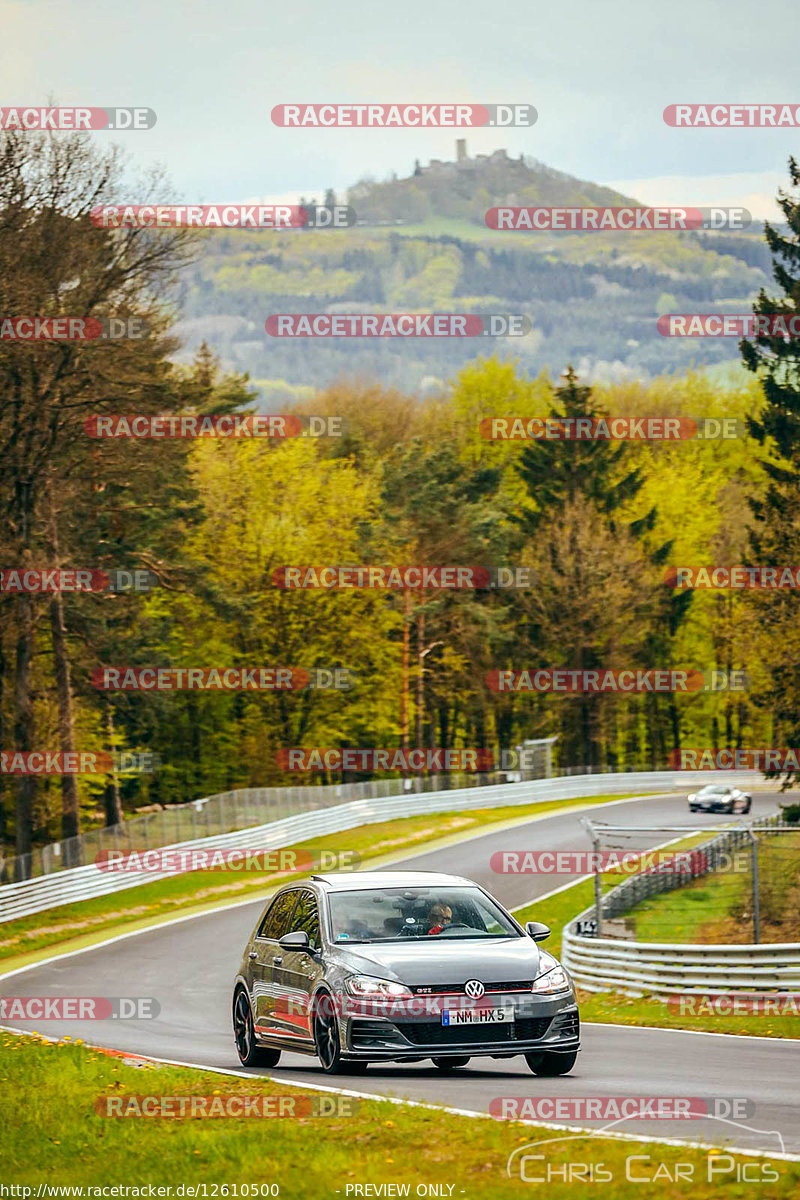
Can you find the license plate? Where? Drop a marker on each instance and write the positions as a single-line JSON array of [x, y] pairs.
[[478, 1016]]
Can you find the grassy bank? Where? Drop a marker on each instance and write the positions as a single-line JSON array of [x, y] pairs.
[[719, 907], [54, 1134]]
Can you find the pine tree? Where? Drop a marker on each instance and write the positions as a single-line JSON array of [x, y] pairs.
[[589, 480], [774, 536], [557, 471]]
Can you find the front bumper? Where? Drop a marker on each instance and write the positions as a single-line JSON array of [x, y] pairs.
[[539, 1024]]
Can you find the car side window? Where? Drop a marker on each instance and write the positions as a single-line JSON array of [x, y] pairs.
[[306, 916], [276, 922]]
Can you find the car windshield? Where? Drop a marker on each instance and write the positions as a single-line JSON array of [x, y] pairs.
[[405, 914], [710, 790]]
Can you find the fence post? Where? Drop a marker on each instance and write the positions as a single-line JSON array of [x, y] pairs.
[[756, 908], [598, 917]]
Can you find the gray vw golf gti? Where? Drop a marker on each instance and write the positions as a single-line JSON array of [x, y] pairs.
[[399, 967]]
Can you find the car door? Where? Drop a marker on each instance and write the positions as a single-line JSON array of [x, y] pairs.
[[295, 972], [266, 946]]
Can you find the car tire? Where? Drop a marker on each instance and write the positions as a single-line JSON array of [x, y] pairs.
[[550, 1063], [748, 805], [250, 1053], [449, 1064], [327, 1042]]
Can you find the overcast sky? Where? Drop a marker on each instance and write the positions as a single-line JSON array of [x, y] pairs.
[[599, 73]]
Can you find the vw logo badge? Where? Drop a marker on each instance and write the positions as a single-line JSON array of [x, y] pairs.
[[474, 988]]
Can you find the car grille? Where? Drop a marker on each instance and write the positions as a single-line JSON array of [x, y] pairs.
[[567, 1023], [432, 1033], [442, 989], [367, 1033]]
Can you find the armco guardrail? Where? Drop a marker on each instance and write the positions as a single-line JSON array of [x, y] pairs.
[[664, 968], [83, 883], [225, 812], [210, 816]]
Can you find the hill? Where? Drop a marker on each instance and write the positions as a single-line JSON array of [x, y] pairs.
[[421, 244], [466, 187]]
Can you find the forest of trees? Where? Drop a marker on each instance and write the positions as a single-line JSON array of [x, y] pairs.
[[597, 523], [591, 301]]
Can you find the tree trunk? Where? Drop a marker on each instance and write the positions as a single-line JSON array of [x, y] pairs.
[[404, 686], [24, 733], [111, 796], [70, 824], [70, 821], [420, 677], [675, 721], [3, 818], [444, 734]]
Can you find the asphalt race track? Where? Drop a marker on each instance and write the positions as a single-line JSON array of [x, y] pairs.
[[189, 965]]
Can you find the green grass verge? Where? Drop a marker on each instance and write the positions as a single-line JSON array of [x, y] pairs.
[[53, 1134], [73, 926], [612, 1008], [718, 907]]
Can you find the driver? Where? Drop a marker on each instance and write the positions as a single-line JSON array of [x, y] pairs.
[[439, 915]]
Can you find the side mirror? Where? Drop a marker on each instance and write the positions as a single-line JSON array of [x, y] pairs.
[[296, 941], [537, 930]]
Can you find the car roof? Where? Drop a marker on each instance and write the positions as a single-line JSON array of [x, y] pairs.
[[348, 881]]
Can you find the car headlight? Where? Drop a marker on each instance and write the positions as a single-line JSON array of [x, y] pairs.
[[692, 797], [556, 980], [368, 985]]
